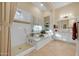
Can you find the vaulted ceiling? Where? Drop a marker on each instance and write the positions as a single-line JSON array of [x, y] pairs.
[[60, 4], [43, 6], [50, 5]]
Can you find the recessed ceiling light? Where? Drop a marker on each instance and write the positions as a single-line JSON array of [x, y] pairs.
[[41, 4]]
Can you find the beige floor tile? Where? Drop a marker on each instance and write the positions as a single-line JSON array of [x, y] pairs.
[[56, 48]]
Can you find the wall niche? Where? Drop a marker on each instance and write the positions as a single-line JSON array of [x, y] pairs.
[[46, 23]]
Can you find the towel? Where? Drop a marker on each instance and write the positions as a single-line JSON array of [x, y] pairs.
[[74, 31]]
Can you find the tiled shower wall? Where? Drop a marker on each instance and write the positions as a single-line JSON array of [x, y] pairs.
[[19, 32]]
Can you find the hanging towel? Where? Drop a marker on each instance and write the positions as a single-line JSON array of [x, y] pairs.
[[74, 31]]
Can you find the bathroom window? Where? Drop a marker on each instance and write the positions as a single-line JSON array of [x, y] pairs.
[[23, 15], [18, 14]]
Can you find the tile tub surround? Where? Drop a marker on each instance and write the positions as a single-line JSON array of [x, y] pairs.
[[20, 48], [56, 48]]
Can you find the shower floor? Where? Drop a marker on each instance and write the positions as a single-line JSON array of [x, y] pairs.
[[18, 49]]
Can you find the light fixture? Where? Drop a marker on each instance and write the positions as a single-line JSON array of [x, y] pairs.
[[70, 14], [41, 4]]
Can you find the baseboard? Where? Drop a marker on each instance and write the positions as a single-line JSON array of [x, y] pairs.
[[26, 52]]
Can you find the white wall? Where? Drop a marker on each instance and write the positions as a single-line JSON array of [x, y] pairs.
[[77, 49], [18, 36], [38, 17]]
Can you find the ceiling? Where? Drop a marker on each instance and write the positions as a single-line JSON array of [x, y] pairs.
[[46, 5], [60, 4], [50, 5], [41, 7]]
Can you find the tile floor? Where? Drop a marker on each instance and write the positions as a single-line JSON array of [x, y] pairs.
[[56, 48]]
